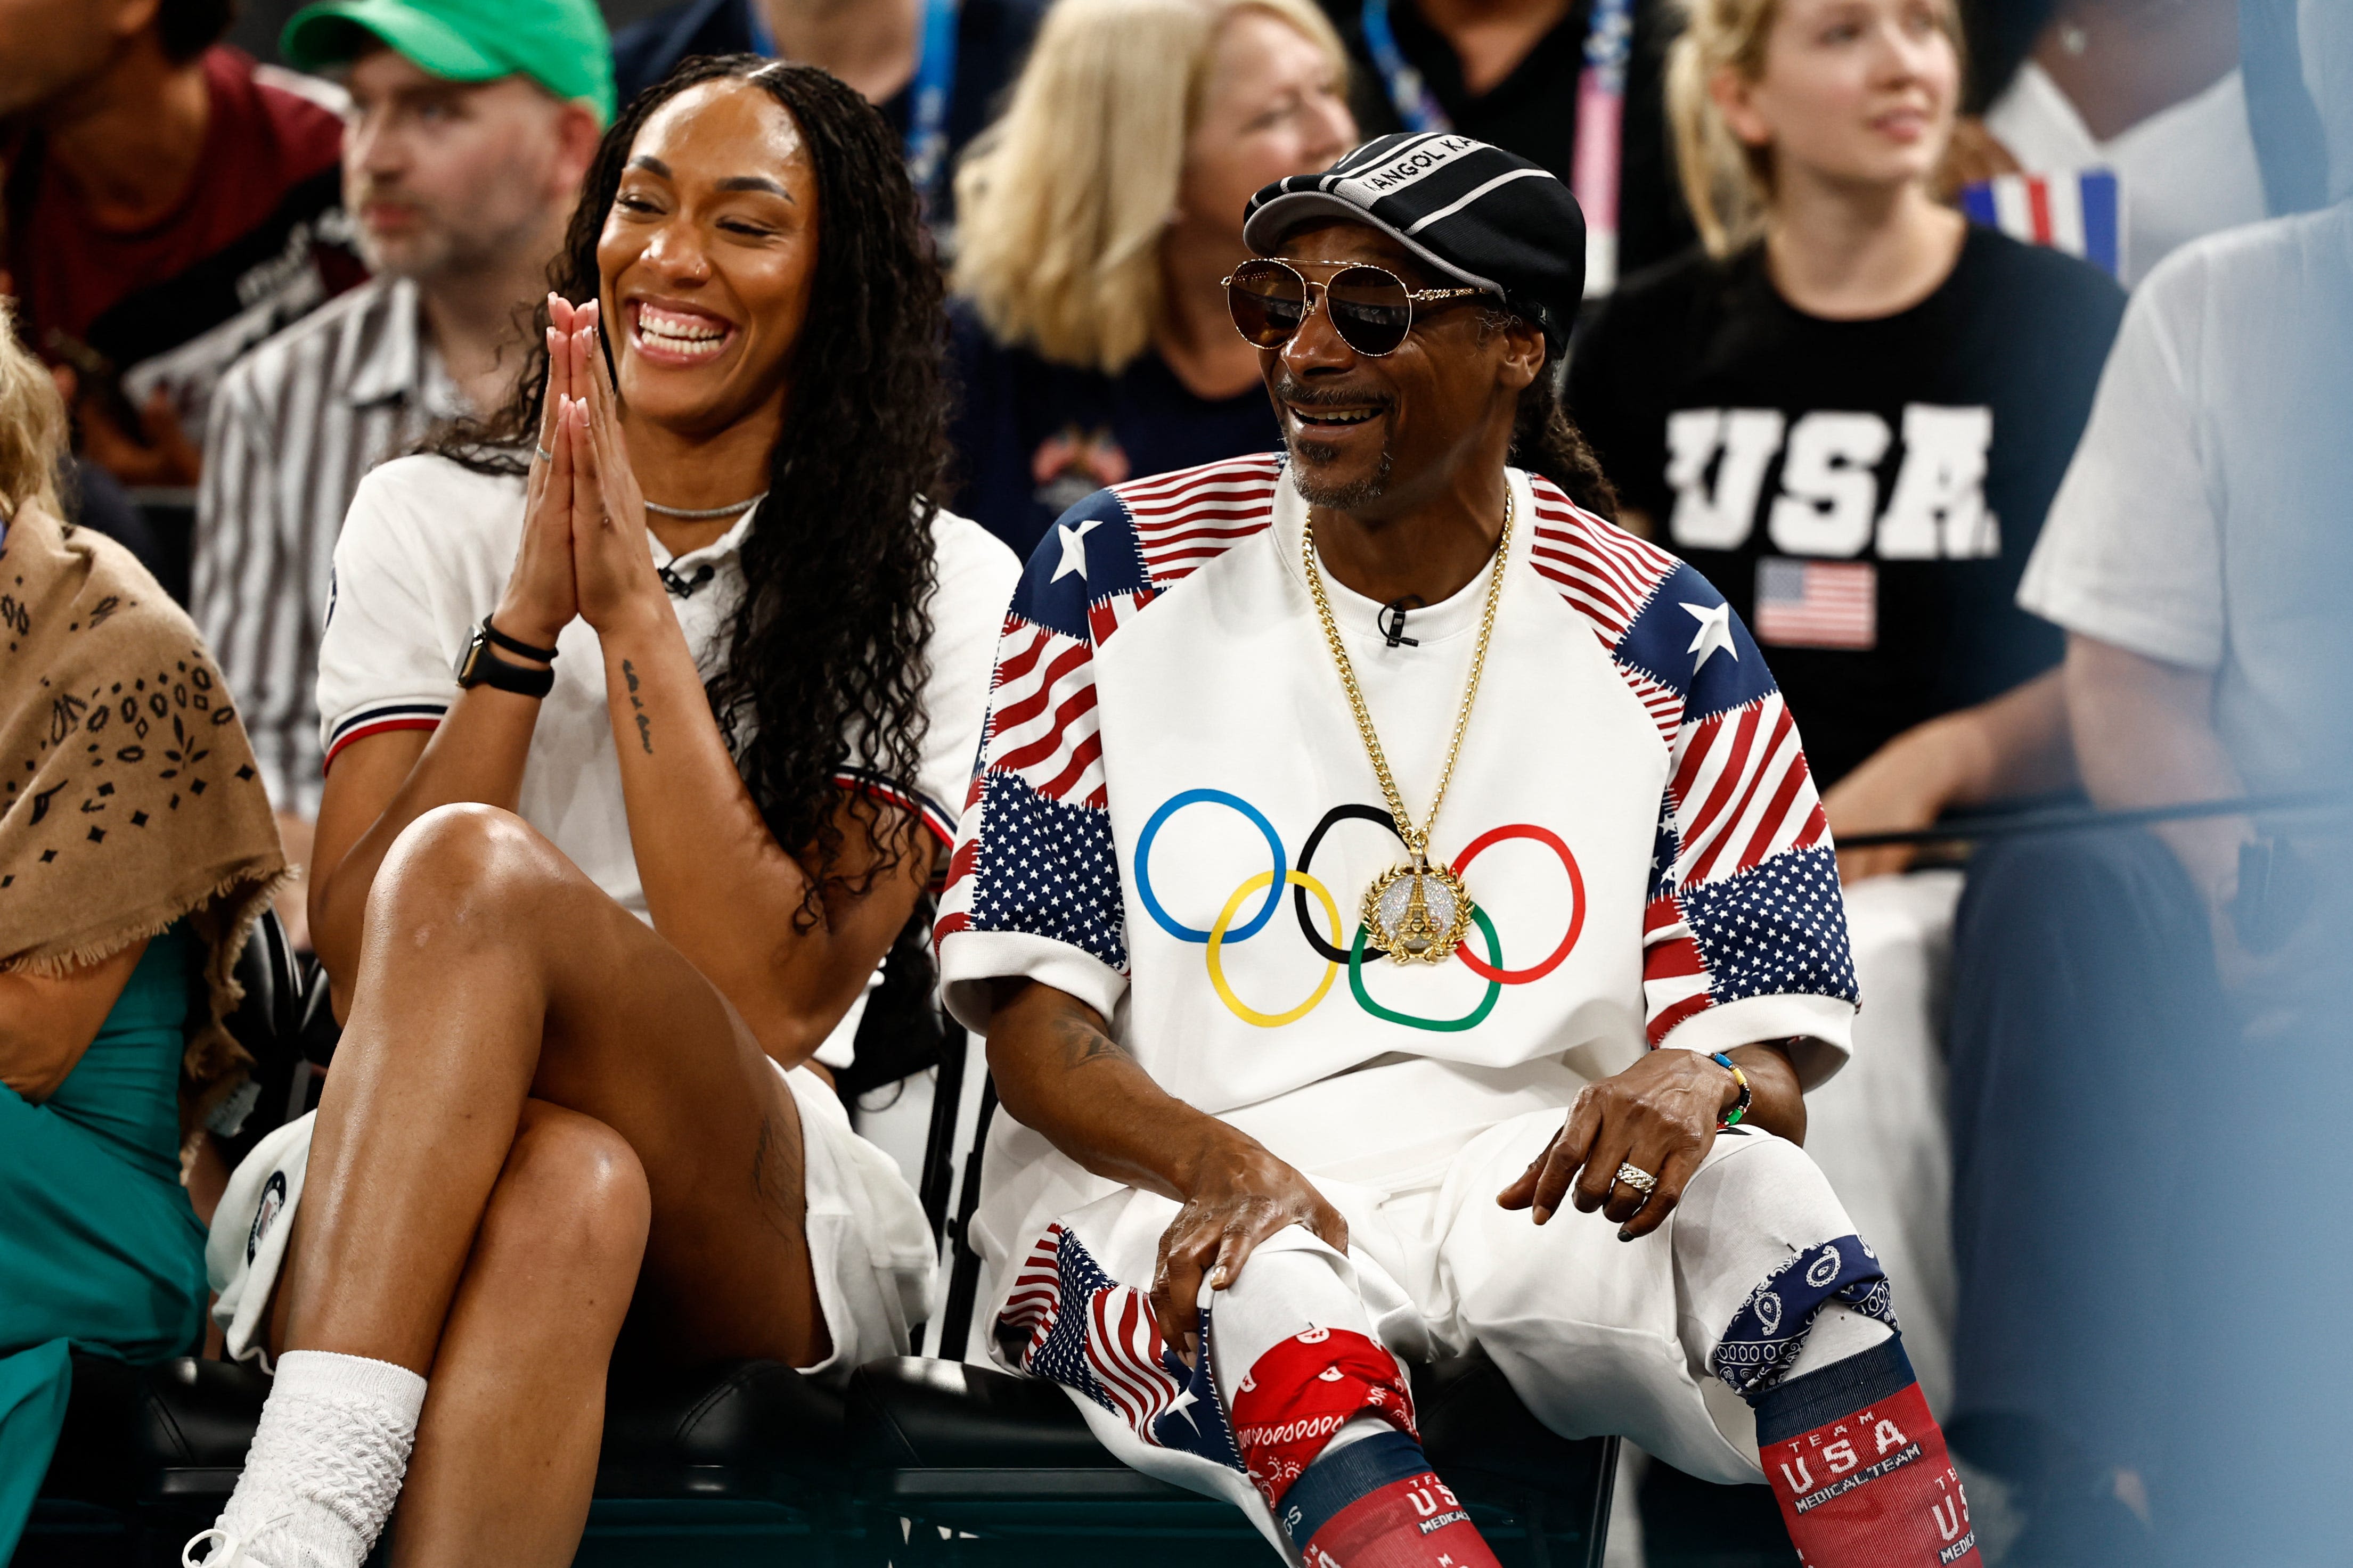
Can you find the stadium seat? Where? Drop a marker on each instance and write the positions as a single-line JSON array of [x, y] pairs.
[[725, 1461]]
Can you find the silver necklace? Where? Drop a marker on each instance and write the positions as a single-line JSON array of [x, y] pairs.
[[704, 513]]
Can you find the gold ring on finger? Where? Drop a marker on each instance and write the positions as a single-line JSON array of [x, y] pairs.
[[1634, 1176]]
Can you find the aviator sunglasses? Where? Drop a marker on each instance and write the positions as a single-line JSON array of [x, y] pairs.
[[1369, 306]]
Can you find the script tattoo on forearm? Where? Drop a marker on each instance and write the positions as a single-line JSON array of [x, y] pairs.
[[645, 725]]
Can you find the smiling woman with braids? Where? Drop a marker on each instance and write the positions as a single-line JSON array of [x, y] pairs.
[[591, 902]]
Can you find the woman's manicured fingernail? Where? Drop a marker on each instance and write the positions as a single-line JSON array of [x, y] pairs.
[[1625, 1234], [1542, 1214]]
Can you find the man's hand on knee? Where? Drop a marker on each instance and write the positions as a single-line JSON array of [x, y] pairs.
[[1240, 1195], [1658, 1117]]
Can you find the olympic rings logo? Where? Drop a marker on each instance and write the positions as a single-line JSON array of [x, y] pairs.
[[1338, 949]]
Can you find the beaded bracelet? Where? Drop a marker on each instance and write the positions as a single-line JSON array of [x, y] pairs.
[[1740, 1107]]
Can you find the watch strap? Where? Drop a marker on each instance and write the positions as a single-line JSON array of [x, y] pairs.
[[515, 645], [481, 665]]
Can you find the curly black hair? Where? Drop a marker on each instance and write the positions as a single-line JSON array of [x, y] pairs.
[[825, 656]]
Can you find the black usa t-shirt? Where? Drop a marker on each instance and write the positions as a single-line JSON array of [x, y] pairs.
[[1865, 493]]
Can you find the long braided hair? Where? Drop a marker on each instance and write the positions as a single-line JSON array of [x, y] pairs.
[[1546, 440], [824, 670]]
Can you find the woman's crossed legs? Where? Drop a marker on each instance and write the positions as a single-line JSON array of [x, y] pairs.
[[540, 1113]]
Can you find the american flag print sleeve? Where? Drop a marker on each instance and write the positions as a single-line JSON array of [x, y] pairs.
[[1744, 933], [1033, 887]]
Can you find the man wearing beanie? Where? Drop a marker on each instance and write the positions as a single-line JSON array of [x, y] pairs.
[[1400, 702], [473, 122]]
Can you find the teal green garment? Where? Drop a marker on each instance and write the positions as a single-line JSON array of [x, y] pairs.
[[99, 1251]]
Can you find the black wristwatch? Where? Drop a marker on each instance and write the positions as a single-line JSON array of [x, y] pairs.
[[480, 666]]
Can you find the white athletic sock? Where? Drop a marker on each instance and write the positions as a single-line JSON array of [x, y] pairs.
[[1839, 1331], [326, 1462]]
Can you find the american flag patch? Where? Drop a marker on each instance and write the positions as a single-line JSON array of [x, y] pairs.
[[1089, 1332], [1817, 604], [2078, 214]]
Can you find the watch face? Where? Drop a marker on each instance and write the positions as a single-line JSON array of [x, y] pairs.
[[471, 657]]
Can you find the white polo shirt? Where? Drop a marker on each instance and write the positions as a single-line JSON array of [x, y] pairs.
[[426, 553]]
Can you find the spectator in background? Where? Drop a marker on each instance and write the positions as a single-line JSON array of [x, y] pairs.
[[2128, 1000], [936, 68], [1851, 409], [1102, 216], [472, 121], [135, 852], [1849, 412], [167, 209], [2150, 90], [1539, 78]]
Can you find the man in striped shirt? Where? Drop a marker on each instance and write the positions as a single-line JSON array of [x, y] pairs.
[[472, 125]]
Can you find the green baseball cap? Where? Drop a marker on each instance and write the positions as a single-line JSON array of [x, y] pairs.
[[560, 44]]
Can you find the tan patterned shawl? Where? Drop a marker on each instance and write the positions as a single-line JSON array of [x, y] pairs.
[[128, 797]]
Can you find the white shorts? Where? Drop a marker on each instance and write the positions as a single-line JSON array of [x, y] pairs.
[[870, 1245]]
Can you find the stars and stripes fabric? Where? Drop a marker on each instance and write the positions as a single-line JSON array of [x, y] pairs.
[[1097, 1337], [1744, 898], [1045, 866], [1689, 857], [2078, 214]]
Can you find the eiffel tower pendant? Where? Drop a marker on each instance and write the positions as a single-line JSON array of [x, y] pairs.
[[1416, 913]]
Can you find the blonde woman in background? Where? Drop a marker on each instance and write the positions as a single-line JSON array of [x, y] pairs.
[[1098, 221], [1850, 408], [136, 851]]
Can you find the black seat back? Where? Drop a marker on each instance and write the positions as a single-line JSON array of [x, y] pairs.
[[265, 1024]]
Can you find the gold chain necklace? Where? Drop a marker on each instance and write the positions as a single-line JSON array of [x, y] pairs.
[[1417, 912]]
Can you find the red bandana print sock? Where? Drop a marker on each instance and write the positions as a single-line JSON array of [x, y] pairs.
[[1300, 1394], [1374, 1503], [1859, 1467]]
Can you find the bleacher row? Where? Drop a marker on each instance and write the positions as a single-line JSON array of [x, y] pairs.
[[926, 1459]]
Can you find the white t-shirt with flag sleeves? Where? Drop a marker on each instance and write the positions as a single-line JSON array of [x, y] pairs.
[[426, 553], [1174, 818]]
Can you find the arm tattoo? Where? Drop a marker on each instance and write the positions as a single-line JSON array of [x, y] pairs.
[[1081, 1043], [645, 725]]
